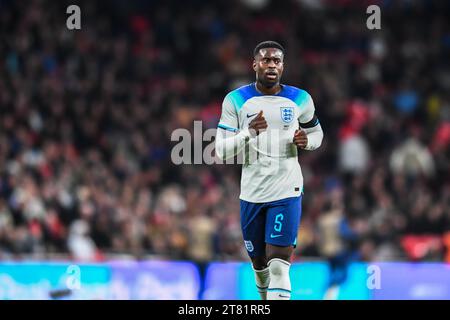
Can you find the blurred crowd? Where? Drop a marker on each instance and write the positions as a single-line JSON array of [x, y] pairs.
[[86, 118]]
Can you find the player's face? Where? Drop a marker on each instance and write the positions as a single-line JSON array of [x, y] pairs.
[[268, 65]]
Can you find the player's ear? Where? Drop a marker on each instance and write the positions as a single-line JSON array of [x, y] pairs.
[[254, 65]]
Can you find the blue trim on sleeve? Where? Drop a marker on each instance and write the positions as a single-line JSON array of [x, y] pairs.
[[225, 127]]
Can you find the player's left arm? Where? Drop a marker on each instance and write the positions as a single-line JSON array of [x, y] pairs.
[[310, 134]]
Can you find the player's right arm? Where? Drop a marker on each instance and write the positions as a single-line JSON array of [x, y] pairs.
[[230, 140]]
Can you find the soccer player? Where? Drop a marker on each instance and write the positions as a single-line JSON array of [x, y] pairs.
[[270, 121]]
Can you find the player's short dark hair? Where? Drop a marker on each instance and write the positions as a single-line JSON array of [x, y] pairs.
[[267, 44]]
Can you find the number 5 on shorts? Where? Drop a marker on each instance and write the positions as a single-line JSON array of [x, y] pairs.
[[278, 224]]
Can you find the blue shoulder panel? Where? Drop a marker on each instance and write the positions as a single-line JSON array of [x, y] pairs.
[[298, 96], [242, 94]]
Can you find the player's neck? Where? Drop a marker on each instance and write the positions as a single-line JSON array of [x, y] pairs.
[[268, 90]]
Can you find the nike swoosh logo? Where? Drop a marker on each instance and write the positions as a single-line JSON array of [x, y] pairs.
[[251, 115], [275, 235], [281, 296]]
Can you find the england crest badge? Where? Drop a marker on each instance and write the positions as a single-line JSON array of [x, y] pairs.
[[287, 114]]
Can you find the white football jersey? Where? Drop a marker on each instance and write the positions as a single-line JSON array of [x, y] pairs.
[[270, 169]]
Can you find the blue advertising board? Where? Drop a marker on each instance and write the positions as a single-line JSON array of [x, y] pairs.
[[37, 281], [154, 280], [309, 281], [171, 280], [412, 281]]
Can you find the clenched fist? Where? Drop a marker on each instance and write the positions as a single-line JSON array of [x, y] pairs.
[[300, 139]]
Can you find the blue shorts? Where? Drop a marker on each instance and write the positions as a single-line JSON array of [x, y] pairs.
[[275, 222]]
